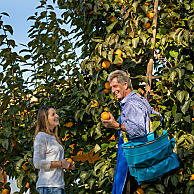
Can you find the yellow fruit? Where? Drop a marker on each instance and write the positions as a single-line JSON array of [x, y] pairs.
[[191, 107], [100, 3], [146, 26], [72, 146], [24, 166], [79, 153], [5, 191], [27, 185], [69, 124], [139, 191], [69, 160], [112, 138], [192, 177], [107, 85], [112, 19], [105, 116], [106, 91], [106, 109], [147, 3], [106, 64], [118, 52], [94, 103], [150, 14]]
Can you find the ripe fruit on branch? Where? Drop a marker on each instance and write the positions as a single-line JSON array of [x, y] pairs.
[[69, 124], [106, 91], [112, 19], [118, 52], [24, 166], [106, 64], [150, 14], [69, 160], [105, 116], [94, 103], [107, 85], [5, 191], [146, 26]]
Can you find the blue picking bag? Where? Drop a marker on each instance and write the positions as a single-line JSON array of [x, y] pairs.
[[150, 157]]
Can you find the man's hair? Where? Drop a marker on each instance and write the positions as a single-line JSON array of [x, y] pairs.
[[121, 76]]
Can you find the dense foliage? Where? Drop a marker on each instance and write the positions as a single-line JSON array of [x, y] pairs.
[[130, 35]]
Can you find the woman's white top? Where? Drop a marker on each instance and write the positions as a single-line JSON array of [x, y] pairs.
[[47, 149]]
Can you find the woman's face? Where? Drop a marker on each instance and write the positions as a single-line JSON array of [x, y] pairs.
[[53, 118]]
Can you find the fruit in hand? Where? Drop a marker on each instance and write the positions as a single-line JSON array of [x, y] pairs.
[[105, 116]]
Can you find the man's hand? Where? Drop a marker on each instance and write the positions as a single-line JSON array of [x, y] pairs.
[[111, 123]]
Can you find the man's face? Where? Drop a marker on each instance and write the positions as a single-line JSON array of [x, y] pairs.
[[117, 89]]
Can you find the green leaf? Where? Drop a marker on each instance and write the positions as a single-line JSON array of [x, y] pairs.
[[144, 8], [179, 72], [174, 180], [188, 84], [187, 119], [4, 143], [154, 125], [135, 4], [111, 26], [185, 107], [106, 6], [167, 115], [4, 13], [9, 29], [135, 42], [189, 67], [97, 40], [97, 148], [173, 54], [187, 6], [117, 60], [19, 181], [174, 110], [91, 182], [84, 137], [160, 188], [172, 75], [143, 39], [84, 175], [178, 117], [180, 95]]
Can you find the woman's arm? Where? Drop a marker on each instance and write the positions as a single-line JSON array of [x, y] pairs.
[[63, 164]]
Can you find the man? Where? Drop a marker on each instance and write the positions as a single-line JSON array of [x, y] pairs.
[[135, 112]]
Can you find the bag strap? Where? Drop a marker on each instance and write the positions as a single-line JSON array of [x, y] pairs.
[[124, 133]]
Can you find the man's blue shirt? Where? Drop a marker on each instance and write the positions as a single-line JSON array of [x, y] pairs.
[[135, 112]]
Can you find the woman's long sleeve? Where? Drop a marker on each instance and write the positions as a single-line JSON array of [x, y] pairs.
[[39, 156]]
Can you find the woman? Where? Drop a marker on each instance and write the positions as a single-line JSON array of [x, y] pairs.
[[49, 154]]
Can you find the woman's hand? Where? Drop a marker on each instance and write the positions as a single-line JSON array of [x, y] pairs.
[[72, 166], [65, 164], [69, 165]]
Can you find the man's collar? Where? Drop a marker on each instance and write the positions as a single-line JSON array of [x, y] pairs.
[[127, 97]]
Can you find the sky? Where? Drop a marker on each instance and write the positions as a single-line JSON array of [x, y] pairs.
[[19, 11]]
